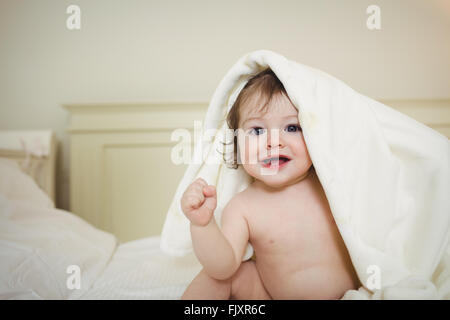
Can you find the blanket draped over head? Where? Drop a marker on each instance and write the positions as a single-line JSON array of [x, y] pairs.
[[385, 175]]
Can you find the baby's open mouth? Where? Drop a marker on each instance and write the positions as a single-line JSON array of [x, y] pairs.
[[276, 161]]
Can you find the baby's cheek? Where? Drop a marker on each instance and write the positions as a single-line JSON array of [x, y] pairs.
[[300, 149], [304, 154], [301, 144]]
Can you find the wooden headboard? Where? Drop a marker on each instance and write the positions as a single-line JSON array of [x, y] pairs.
[[121, 176], [122, 179]]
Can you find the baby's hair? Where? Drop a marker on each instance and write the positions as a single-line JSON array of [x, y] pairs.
[[259, 90]]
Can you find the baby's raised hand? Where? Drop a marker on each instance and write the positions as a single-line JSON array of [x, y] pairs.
[[199, 202]]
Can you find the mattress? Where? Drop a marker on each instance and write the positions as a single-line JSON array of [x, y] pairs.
[[139, 270]]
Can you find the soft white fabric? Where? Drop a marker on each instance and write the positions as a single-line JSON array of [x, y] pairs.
[[139, 270], [17, 186], [39, 242], [385, 175]]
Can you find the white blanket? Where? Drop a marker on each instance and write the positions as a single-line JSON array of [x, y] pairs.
[[386, 177]]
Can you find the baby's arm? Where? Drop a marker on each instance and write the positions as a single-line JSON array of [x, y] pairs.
[[235, 229], [219, 252]]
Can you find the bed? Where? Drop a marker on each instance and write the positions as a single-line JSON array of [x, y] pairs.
[[48, 253]]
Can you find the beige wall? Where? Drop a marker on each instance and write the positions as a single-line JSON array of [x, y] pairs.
[[155, 51]]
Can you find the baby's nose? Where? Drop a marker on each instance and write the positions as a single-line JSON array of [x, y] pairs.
[[274, 139]]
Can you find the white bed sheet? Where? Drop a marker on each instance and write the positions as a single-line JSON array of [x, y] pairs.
[[39, 242], [139, 270]]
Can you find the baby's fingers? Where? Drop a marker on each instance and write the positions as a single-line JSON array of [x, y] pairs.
[[195, 201], [209, 191]]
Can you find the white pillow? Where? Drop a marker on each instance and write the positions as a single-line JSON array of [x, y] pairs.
[[17, 185]]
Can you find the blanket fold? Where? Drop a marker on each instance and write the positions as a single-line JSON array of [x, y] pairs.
[[385, 175]]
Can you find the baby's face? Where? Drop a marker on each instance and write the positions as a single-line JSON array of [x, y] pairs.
[[274, 135]]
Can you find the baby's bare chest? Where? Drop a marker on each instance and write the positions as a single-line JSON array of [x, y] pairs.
[[283, 224]]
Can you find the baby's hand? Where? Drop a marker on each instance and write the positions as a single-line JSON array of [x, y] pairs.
[[199, 202]]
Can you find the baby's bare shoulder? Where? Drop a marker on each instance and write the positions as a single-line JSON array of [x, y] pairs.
[[234, 211], [237, 201], [238, 204]]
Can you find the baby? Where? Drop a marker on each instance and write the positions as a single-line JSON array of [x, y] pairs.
[[284, 213]]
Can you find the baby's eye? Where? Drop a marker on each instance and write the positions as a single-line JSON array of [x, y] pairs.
[[257, 131], [293, 128]]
